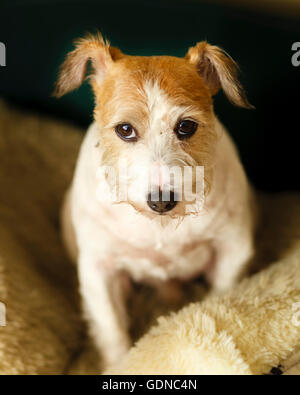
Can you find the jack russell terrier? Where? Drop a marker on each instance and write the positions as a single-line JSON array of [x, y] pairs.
[[152, 114]]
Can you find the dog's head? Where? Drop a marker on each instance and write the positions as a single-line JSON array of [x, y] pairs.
[[155, 119]]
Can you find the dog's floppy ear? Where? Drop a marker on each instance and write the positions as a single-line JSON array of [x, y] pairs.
[[73, 70], [218, 70]]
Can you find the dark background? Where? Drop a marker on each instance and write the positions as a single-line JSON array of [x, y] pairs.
[[38, 34]]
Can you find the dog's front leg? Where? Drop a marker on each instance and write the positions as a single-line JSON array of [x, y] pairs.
[[232, 257], [102, 290]]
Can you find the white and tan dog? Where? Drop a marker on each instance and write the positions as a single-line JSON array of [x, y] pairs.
[[153, 113]]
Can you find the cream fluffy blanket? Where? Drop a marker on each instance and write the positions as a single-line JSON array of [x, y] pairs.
[[44, 333]]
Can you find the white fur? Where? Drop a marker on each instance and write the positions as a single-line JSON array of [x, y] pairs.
[[113, 239]]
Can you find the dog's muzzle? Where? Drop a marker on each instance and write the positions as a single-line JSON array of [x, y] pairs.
[[158, 202]]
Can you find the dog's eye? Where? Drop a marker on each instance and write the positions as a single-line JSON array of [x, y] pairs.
[[126, 132], [185, 128]]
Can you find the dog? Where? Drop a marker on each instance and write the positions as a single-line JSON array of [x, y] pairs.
[[153, 113]]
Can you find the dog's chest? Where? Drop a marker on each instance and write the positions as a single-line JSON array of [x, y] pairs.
[[157, 263], [151, 253]]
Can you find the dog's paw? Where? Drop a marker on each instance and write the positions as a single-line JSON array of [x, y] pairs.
[[114, 354]]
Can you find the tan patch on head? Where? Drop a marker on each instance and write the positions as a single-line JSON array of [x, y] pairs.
[[175, 76]]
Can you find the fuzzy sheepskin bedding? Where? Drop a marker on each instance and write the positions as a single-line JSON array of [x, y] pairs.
[[44, 333]]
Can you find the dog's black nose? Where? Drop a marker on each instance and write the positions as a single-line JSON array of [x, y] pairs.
[[161, 202]]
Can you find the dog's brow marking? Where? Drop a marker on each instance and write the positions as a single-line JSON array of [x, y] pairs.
[[161, 109], [163, 112]]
